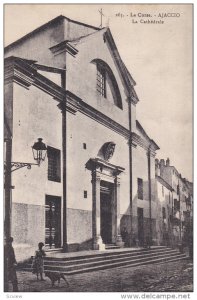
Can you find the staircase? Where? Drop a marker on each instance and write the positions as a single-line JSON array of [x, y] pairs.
[[111, 246], [95, 261]]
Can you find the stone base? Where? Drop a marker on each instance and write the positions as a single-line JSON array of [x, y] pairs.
[[98, 244], [137, 243], [155, 242], [119, 241], [73, 247]]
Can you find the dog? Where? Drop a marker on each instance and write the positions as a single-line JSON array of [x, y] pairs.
[[55, 276]]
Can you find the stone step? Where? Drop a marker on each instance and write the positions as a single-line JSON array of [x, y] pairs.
[[123, 258], [127, 255], [52, 250], [118, 252], [122, 261], [178, 257], [107, 247], [124, 264], [113, 255], [120, 265]]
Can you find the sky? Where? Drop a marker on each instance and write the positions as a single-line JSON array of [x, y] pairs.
[[158, 56]]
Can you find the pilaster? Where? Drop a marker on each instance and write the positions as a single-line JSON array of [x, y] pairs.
[[97, 240], [119, 241]]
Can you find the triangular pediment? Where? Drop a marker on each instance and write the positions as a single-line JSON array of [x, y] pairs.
[[110, 46]]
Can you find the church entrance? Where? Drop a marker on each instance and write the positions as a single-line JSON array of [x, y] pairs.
[[106, 193], [105, 203]]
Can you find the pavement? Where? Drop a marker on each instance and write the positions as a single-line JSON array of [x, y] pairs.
[[166, 277]]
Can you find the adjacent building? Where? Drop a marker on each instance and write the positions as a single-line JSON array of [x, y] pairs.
[[175, 197]]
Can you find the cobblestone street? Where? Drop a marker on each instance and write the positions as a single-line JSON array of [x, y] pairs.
[[170, 277]]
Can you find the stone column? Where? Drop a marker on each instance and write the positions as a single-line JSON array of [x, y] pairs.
[[96, 226], [119, 241]]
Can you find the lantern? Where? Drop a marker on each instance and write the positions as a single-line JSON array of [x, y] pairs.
[[39, 150]]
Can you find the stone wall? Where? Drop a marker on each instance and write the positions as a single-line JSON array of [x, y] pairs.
[[28, 228], [79, 224]]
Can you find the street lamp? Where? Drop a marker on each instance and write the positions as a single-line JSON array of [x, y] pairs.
[[39, 153], [39, 150]]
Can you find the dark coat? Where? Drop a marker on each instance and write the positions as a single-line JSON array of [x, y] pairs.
[[10, 262]]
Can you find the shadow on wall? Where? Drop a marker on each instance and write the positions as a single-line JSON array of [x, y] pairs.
[[164, 232], [139, 234]]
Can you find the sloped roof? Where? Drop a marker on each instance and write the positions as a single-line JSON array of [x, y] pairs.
[[46, 25], [126, 76]]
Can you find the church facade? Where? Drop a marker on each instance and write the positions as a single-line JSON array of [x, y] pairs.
[[65, 82]]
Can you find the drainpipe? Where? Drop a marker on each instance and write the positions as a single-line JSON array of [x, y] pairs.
[[149, 189], [180, 212], [8, 191], [130, 171], [64, 155], [173, 220]]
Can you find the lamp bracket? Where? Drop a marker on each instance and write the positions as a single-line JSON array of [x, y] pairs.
[[18, 165]]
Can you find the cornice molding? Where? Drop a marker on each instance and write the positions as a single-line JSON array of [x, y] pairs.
[[16, 70], [13, 73], [19, 71], [81, 106], [64, 46], [49, 87], [49, 69], [74, 104], [108, 37], [151, 153], [133, 96], [103, 119], [69, 105], [126, 76], [137, 140], [96, 163], [149, 141]]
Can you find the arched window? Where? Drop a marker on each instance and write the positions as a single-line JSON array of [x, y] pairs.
[[106, 84]]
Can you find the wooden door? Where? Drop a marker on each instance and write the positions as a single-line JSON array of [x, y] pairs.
[[106, 212], [53, 222]]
